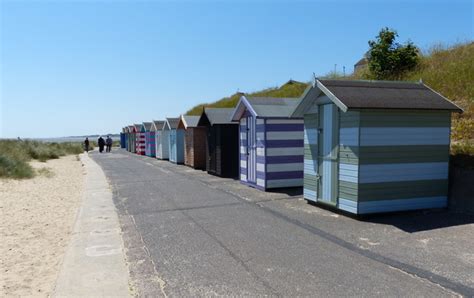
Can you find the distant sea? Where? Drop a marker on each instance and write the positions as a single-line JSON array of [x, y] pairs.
[[74, 138]]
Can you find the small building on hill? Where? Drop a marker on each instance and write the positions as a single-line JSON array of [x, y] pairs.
[[194, 142], [271, 143], [175, 140], [222, 142], [376, 146], [361, 64], [157, 129]]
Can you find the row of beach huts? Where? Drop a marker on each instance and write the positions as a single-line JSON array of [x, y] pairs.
[[358, 146]]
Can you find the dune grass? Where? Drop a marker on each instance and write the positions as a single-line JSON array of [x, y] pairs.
[[448, 70], [289, 89], [15, 155]]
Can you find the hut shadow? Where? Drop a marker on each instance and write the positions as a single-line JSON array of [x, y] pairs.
[[409, 221], [289, 191], [423, 220]]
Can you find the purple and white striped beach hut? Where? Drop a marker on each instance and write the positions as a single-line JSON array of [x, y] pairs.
[[271, 143]]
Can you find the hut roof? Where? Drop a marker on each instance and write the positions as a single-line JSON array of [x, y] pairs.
[[265, 106], [188, 121], [348, 95], [157, 125], [137, 127], [219, 115], [172, 123], [146, 126]]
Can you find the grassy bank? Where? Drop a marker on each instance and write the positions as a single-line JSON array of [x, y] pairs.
[[15, 155], [289, 89]]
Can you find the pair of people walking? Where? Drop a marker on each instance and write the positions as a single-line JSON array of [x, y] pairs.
[[107, 143]]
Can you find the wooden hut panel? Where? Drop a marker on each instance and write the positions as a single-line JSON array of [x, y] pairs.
[[379, 153], [164, 145], [199, 147], [222, 144], [271, 144], [150, 149]]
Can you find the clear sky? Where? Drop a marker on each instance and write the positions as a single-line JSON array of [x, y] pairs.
[[92, 67]]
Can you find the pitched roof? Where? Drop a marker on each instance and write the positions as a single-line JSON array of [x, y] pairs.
[[137, 127], [147, 126], [265, 106], [190, 121], [172, 122], [348, 94], [219, 115], [157, 125]]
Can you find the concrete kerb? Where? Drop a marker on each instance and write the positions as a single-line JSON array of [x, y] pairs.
[[94, 263]]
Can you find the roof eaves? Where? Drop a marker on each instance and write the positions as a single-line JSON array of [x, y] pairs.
[[307, 99], [460, 109], [331, 96], [239, 109]]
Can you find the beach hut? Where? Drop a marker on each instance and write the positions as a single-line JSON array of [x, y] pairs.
[[271, 143], [194, 142], [165, 142], [140, 140], [132, 138], [222, 142], [125, 132], [149, 139], [375, 146], [122, 138], [175, 140], [156, 128]]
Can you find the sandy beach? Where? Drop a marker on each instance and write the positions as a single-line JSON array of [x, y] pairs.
[[37, 217]]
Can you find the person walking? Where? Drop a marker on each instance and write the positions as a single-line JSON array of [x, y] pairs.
[[108, 143], [86, 145], [101, 143]]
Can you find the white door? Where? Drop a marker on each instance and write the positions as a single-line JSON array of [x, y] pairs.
[[251, 150], [328, 148]]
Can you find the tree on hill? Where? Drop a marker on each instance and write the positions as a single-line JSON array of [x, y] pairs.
[[389, 59]]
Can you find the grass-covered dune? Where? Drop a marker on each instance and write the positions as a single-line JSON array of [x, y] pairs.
[[289, 89], [15, 155]]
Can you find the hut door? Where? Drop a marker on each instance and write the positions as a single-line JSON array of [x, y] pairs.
[[173, 151], [328, 161], [251, 150]]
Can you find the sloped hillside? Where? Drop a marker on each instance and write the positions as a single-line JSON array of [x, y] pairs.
[[449, 71], [289, 89]]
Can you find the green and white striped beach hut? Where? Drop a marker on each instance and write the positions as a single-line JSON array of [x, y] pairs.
[[375, 146]]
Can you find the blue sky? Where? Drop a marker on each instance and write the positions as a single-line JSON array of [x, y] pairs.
[[91, 67]]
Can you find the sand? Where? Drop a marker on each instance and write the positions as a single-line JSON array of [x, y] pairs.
[[36, 222]]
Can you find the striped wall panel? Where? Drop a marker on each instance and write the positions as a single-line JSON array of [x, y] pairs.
[[404, 160], [284, 142], [150, 146], [310, 154], [243, 149]]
